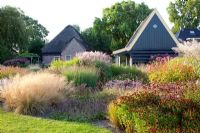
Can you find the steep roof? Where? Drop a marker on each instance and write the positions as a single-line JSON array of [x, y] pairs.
[[184, 34], [58, 44], [80, 41], [140, 30], [137, 30]]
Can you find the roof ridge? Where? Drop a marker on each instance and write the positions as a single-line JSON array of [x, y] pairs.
[[140, 30], [62, 38], [139, 27]]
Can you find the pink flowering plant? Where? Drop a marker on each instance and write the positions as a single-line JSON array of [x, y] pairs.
[[90, 57]]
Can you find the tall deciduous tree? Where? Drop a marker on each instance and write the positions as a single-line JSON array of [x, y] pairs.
[[12, 32], [97, 36], [117, 25], [184, 14], [77, 27], [17, 31]]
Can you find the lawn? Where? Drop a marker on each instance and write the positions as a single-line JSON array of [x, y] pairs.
[[14, 123]]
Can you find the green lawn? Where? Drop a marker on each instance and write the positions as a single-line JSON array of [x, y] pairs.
[[13, 123]]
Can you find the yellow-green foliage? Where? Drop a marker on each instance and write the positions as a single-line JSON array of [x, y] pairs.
[[173, 71], [33, 93], [112, 110], [60, 65], [189, 61], [193, 94]]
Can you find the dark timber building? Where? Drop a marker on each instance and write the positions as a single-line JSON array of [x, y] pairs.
[[188, 35], [152, 37]]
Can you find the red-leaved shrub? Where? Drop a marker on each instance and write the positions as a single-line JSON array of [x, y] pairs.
[[145, 111]]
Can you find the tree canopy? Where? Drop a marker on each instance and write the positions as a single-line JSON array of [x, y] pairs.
[[77, 27], [114, 29], [184, 14], [18, 32]]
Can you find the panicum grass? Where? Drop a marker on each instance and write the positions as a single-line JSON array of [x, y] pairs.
[[33, 93]]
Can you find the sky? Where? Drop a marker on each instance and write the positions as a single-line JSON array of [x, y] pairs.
[[55, 15]]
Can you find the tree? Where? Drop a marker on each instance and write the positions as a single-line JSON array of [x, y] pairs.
[[36, 46], [17, 31], [114, 29], [184, 14], [97, 37], [77, 27], [36, 35], [12, 32]]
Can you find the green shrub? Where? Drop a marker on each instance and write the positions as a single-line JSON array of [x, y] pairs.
[[193, 93], [125, 72], [59, 65], [105, 72], [82, 75], [146, 112]]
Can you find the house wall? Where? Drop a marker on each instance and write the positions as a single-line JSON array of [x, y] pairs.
[[155, 38], [72, 48], [46, 59], [153, 41]]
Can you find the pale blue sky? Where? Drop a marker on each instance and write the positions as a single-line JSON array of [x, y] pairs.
[[56, 14]]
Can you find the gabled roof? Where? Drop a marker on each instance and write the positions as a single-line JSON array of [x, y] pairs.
[[83, 44], [185, 34], [140, 30], [58, 44]]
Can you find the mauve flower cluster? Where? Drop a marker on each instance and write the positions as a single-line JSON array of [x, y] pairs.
[[88, 57], [157, 62], [161, 58], [123, 84]]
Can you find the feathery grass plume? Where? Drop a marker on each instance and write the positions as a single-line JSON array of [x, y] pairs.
[[90, 57], [6, 72], [33, 93], [189, 49]]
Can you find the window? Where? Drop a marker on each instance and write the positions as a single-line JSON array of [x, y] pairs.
[[155, 26], [56, 57], [192, 32], [68, 57]]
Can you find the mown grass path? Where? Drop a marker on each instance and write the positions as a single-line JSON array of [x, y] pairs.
[[14, 123]]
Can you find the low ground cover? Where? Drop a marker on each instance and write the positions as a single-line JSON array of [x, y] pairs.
[[84, 106]]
